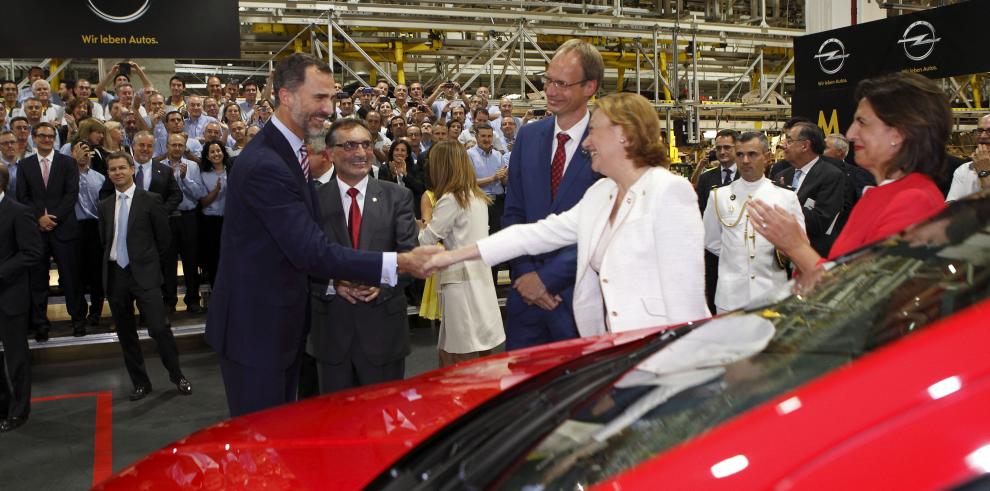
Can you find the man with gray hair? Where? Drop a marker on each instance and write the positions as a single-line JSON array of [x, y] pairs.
[[748, 266], [836, 146]]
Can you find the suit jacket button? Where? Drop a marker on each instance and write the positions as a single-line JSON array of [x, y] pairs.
[[752, 277], [604, 280], [615, 314]]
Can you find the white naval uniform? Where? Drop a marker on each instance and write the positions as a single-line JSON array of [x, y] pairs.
[[746, 268]]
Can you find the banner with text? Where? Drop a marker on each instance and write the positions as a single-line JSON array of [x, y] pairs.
[[123, 29], [939, 42]]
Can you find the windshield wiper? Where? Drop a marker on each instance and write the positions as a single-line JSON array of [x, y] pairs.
[[475, 450]]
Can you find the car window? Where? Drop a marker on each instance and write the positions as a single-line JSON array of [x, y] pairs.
[[731, 364]]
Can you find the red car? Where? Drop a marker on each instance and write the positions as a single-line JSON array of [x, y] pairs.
[[878, 377]]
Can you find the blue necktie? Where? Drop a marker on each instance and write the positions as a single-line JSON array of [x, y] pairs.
[[122, 259], [797, 179], [139, 180]]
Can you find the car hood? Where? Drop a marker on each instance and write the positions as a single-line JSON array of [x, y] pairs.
[[344, 440]]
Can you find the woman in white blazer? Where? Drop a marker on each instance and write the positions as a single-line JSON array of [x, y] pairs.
[[471, 325], [639, 233]]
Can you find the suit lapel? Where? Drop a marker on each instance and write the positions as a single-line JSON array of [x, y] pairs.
[[289, 159], [544, 158], [372, 214], [135, 208], [333, 212]]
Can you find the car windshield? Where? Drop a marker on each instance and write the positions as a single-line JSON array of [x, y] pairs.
[[731, 364]]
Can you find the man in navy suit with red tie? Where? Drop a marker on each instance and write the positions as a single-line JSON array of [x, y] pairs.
[[271, 244], [548, 173]]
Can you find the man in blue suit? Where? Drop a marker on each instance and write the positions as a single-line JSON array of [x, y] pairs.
[[271, 244], [548, 173]]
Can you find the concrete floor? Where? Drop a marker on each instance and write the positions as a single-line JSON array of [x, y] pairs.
[[82, 423]]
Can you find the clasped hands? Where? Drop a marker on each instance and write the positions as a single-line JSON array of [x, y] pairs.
[[354, 293]]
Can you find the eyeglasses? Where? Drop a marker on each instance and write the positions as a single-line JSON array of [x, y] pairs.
[[45, 135], [352, 146], [788, 141], [559, 84], [981, 130]]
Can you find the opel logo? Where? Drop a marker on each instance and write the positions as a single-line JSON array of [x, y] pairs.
[[919, 40], [831, 56], [119, 11]]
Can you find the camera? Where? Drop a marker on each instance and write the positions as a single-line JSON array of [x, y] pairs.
[[711, 155], [383, 98], [367, 90], [123, 68], [539, 112]]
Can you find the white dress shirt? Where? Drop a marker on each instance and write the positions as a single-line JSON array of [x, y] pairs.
[[804, 173], [126, 202]]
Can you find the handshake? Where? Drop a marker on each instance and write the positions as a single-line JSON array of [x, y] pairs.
[[423, 261]]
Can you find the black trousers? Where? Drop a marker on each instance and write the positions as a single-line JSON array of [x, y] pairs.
[[209, 245], [357, 372], [15, 393], [64, 252], [124, 291], [711, 279], [89, 252], [495, 211], [251, 389], [185, 243]]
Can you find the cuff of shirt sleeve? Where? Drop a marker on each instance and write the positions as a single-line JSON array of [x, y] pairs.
[[390, 268]]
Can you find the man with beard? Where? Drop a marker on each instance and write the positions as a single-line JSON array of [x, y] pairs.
[[259, 332]]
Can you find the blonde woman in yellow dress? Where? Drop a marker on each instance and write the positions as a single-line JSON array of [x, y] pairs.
[[429, 308], [472, 323]]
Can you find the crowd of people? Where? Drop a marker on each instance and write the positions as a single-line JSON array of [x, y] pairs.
[[307, 210]]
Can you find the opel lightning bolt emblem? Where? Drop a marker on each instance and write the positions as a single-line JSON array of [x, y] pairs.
[[831, 56], [919, 40]]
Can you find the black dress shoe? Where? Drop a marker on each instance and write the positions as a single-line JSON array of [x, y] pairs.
[[9, 424], [139, 393], [93, 319], [195, 309], [41, 335], [79, 329], [185, 388]]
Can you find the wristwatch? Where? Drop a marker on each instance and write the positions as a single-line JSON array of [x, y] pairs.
[[983, 173]]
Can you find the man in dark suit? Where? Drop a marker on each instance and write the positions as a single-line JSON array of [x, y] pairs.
[[360, 333], [48, 183], [725, 173], [134, 230], [20, 249], [820, 185], [857, 178], [549, 174], [271, 244]]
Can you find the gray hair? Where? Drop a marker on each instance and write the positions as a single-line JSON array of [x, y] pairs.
[[839, 142]]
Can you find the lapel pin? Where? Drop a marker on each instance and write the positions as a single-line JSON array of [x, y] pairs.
[[374, 200], [732, 197]]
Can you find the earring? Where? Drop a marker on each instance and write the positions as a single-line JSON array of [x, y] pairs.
[[622, 140], [893, 144]]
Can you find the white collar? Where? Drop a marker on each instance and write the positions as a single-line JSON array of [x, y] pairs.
[[362, 187], [50, 155], [576, 131], [744, 184], [129, 192], [721, 170], [1, 196], [325, 178], [807, 167], [294, 141]]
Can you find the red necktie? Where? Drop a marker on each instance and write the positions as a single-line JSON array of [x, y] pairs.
[[557, 165], [354, 220], [304, 161]]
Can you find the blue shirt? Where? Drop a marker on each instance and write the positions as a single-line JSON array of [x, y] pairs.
[[161, 142], [192, 186], [210, 178], [90, 183], [486, 164], [195, 127]]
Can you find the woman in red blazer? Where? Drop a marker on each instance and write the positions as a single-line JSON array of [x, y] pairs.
[[899, 133]]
